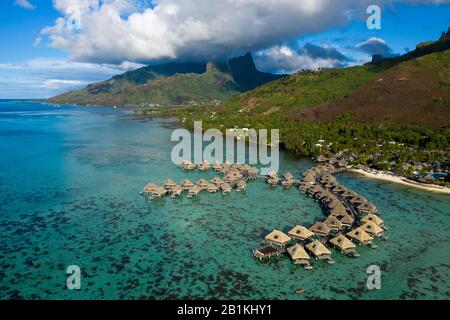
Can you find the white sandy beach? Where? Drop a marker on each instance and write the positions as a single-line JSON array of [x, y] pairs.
[[401, 180]]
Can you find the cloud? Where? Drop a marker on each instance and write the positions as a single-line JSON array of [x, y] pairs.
[[117, 30], [285, 59], [43, 78], [25, 4], [375, 46]]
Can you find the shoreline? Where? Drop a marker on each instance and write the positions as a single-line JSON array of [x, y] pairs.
[[401, 180]]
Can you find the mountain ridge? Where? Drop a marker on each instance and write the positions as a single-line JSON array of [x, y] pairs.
[[173, 84]]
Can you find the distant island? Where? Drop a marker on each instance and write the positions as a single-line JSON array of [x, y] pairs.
[[172, 84]]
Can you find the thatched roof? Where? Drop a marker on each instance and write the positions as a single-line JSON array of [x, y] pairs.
[[320, 228], [317, 248], [202, 183], [300, 232], [338, 211], [333, 222], [367, 207], [358, 199], [169, 183], [373, 218], [241, 184], [186, 183], [212, 186], [348, 194], [159, 191], [288, 176], [360, 235], [344, 218], [309, 178], [339, 189], [177, 189], [372, 228], [272, 174], [194, 190], [342, 242], [226, 187], [217, 181], [297, 252], [252, 171], [150, 187], [278, 237]]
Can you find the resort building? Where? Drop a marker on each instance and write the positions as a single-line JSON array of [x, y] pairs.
[[158, 193], [361, 236], [194, 191], [300, 233], [240, 185], [373, 229], [212, 188], [265, 252], [320, 229], [278, 239], [186, 184], [373, 218], [367, 207], [202, 184], [299, 255], [149, 188], [226, 188], [217, 181], [343, 244], [169, 184], [176, 191], [333, 223], [319, 250]]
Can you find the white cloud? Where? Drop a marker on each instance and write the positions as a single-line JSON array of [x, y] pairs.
[[284, 59], [116, 30], [43, 78], [375, 46], [25, 4]]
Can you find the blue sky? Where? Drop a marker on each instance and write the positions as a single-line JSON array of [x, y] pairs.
[[41, 57]]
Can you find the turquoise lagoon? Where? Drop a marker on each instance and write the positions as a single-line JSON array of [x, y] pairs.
[[69, 195]]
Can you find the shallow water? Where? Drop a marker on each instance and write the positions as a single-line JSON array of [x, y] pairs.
[[69, 195]]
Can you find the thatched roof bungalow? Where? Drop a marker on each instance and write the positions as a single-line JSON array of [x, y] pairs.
[[367, 207], [212, 188], [319, 250], [202, 184], [298, 254], [186, 184], [241, 185], [194, 191], [226, 188], [320, 228], [361, 236], [217, 181], [333, 223], [343, 244], [169, 184], [278, 238], [300, 233], [373, 229], [373, 218], [150, 187]]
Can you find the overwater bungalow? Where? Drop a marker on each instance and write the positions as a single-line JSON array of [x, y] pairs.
[[373, 229], [217, 181], [266, 252], [186, 184], [204, 166], [278, 239], [232, 176], [319, 250], [309, 178], [158, 193], [252, 173], [287, 183], [301, 233], [320, 229], [288, 176], [241, 185], [340, 210], [366, 207], [226, 188], [330, 185], [373, 218], [187, 165], [273, 181], [360, 236], [357, 200], [202, 184], [315, 190], [194, 191], [150, 187], [212, 188], [348, 194], [345, 219], [217, 166], [226, 167], [339, 189], [343, 244], [169, 184], [299, 255], [333, 223], [176, 191]]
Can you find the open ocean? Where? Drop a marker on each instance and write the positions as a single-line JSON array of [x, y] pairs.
[[70, 179]]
